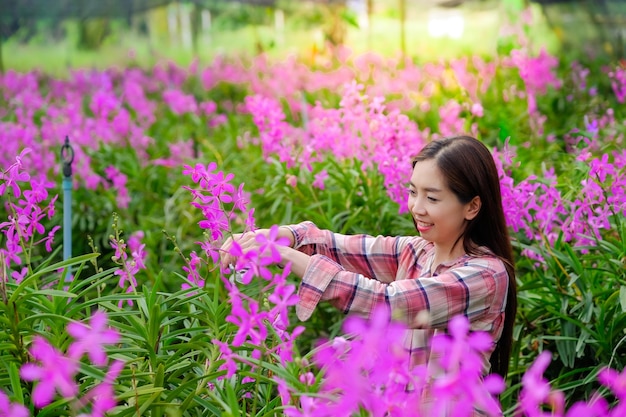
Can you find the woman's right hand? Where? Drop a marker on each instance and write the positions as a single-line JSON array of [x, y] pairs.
[[248, 241]]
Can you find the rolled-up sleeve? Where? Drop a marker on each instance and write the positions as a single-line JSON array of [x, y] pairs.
[[319, 274], [476, 289]]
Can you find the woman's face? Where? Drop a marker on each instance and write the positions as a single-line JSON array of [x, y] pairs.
[[439, 215]]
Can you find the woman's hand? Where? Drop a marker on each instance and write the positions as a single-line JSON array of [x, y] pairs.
[[248, 241]]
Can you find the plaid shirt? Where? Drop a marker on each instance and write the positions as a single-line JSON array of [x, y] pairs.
[[356, 273]]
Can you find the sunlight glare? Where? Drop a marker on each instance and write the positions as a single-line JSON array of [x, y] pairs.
[[445, 23]]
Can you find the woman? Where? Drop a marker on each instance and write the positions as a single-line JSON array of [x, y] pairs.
[[462, 262]]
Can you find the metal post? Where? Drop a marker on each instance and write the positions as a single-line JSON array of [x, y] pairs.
[[67, 157]]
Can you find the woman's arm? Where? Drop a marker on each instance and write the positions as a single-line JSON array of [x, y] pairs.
[[249, 241], [374, 257], [299, 261], [475, 289]]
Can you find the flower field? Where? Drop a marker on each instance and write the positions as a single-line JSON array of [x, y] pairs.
[[168, 161]]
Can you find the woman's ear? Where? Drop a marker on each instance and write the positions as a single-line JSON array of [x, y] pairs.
[[472, 208]]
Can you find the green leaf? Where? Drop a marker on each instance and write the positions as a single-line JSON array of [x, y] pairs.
[[622, 298], [52, 293], [16, 385], [52, 268], [233, 401], [350, 18], [139, 392]]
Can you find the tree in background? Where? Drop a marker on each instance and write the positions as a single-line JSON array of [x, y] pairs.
[[92, 33]]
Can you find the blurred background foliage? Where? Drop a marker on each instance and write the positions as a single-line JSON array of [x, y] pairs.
[[59, 35]]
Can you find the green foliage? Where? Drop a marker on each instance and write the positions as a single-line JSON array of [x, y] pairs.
[[572, 303], [302, 15], [167, 342], [40, 305], [354, 200], [234, 15], [92, 33]]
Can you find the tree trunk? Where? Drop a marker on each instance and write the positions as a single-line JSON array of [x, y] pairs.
[[196, 27], [92, 33], [402, 7], [279, 26], [335, 29]]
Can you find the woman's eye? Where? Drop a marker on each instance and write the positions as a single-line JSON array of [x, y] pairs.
[[433, 199], [412, 192]]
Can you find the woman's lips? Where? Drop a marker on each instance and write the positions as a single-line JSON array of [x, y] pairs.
[[423, 226]]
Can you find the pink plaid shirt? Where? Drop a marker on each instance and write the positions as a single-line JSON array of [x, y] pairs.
[[356, 273]]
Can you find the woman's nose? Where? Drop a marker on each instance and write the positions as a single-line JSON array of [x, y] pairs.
[[416, 206]]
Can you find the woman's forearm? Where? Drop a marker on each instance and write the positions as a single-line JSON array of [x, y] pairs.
[[284, 231], [299, 261]]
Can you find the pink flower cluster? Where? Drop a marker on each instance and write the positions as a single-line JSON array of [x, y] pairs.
[[27, 209], [537, 399], [364, 130], [221, 202], [124, 105], [538, 74], [539, 209], [55, 372], [618, 83], [369, 371], [9, 409], [118, 182], [361, 129], [129, 266], [213, 193], [122, 108]]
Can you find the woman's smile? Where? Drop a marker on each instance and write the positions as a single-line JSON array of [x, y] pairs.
[[423, 226]]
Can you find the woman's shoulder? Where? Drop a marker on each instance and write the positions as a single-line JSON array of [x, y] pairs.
[[485, 259], [416, 243]]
